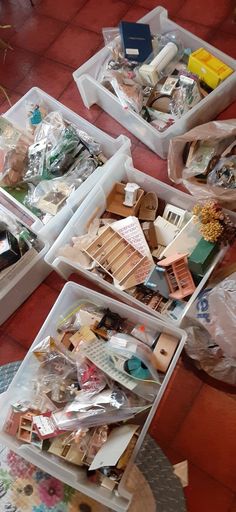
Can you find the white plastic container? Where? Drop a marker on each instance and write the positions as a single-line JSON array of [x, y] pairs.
[[110, 146], [121, 168], [72, 475], [93, 92], [22, 281]]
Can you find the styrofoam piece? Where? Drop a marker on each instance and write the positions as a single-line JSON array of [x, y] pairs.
[[121, 168], [110, 146], [23, 282], [93, 92], [73, 475]]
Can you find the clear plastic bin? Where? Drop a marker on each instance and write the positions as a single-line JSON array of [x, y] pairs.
[[110, 146], [23, 279], [121, 168], [93, 92], [72, 475]]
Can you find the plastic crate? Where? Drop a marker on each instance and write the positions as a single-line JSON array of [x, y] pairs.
[[120, 169], [72, 475], [110, 146], [23, 280], [93, 92]]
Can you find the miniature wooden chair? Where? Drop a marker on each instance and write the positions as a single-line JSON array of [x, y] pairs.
[[178, 276]]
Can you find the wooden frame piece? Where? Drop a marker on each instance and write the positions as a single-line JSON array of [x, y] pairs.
[[127, 266]]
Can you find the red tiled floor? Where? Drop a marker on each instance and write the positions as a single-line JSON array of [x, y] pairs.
[[94, 16], [56, 9], [172, 6], [37, 33], [228, 113], [135, 13], [175, 405], [55, 281], [225, 43], [208, 13], [74, 46], [145, 160], [194, 421], [10, 350], [50, 76], [195, 28], [206, 494], [16, 66], [111, 126], [233, 506], [72, 99], [207, 436], [25, 323]]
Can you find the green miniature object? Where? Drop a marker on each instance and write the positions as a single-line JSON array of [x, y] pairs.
[[202, 256]]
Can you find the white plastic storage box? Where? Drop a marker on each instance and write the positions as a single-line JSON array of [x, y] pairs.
[[93, 92], [121, 169], [110, 146], [22, 279], [73, 475]]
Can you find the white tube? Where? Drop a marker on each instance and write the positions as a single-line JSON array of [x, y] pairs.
[[151, 72]]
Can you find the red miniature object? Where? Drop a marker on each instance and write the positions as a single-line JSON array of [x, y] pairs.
[[178, 276]]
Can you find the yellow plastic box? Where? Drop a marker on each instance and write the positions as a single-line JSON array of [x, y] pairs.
[[210, 69]]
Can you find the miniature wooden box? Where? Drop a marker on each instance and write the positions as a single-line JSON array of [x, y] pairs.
[[116, 198]]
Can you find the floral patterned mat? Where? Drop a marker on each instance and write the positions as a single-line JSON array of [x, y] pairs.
[[25, 488]]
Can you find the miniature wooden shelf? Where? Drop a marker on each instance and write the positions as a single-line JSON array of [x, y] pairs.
[[119, 259], [116, 198]]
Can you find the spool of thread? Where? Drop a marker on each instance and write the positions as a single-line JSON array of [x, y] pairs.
[[151, 72], [136, 368]]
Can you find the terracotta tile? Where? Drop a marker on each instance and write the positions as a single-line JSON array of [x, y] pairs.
[[72, 99], [150, 163], [111, 126], [229, 112], [74, 46], [233, 505], [172, 6], [15, 13], [107, 14], [50, 76], [195, 28], [16, 66], [135, 13], [25, 323], [207, 436], [37, 33], [225, 43], [55, 281], [180, 394], [13, 96], [60, 10], [205, 493], [10, 350], [229, 25], [206, 13]]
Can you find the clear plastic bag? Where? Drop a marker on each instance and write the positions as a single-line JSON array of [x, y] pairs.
[[130, 349], [127, 90], [35, 113], [224, 173], [216, 132], [54, 360], [14, 146]]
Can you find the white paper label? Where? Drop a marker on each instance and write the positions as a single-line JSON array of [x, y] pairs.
[[132, 51]]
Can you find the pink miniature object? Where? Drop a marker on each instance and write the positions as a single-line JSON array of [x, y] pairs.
[[178, 276]]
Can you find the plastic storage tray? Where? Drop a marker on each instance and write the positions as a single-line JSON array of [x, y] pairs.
[[22, 281], [121, 169], [110, 146], [93, 92], [72, 475]]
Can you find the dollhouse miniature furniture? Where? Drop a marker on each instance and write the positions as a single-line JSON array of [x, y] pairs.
[[178, 276]]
